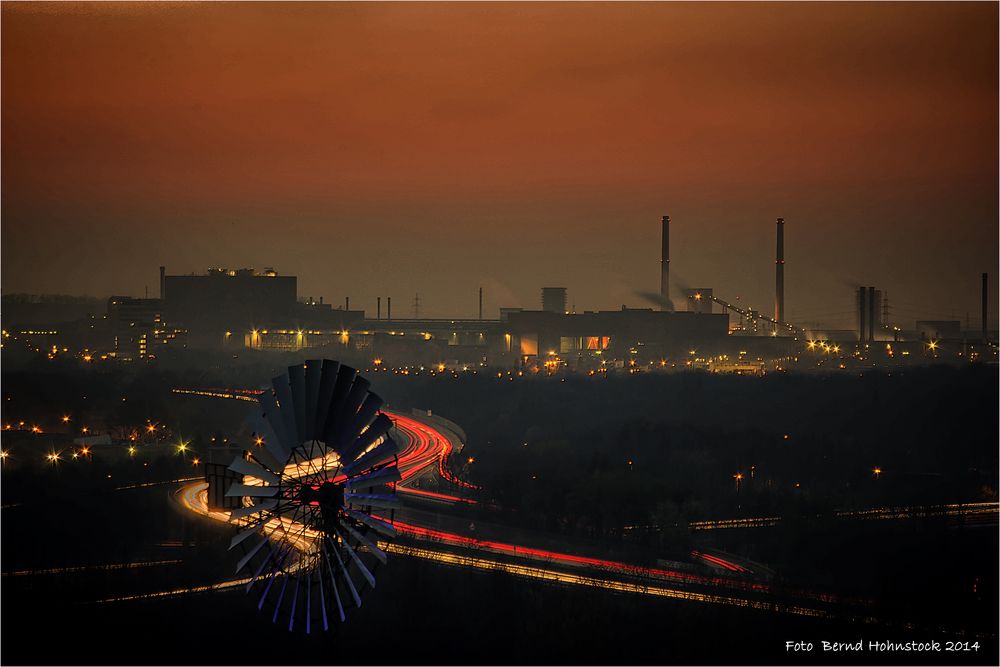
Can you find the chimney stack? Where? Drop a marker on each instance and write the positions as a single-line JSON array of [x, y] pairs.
[[378, 308], [665, 264], [862, 309], [163, 280], [480, 303], [871, 314], [986, 276], [779, 274], [347, 303], [388, 307]]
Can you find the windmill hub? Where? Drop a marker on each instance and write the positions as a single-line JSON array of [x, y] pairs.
[[327, 495]]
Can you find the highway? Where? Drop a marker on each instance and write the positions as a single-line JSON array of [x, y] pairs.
[[424, 455]]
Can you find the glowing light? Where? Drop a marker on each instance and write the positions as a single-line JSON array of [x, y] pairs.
[[65, 418], [131, 450], [876, 471]]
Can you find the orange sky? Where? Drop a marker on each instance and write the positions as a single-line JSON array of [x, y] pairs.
[[386, 149]]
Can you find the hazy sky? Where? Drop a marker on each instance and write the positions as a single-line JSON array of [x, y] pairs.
[[388, 149]]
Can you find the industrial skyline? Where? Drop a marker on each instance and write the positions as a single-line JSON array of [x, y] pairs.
[[506, 147]]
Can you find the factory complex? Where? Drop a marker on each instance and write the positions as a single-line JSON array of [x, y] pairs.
[[249, 312]]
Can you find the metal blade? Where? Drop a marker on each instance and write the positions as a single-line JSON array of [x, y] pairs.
[[242, 535], [369, 577], [309, 590], [345, 377], [375, 524], [286, 406], [373, 500], [237, 490], [314, 373], [250, 554], [297, 383], [378, 553], [333, 584], [386, 450], [244, 467], [322, 597], [347, 575], [365, 415], [281, 444], [348, 411], [326, 386], [243, 512], [376, 430], [386, 475], [281, 596], [273, 575], [260, 568], [295, 601]]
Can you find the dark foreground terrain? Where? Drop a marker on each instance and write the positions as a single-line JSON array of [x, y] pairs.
[[929, 577]]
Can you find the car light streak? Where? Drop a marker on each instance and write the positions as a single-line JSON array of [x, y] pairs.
[[148, 484], [179, 591], [594, 582], [85, 568]]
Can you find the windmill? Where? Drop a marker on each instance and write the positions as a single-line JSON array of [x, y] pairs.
[[317, 494]]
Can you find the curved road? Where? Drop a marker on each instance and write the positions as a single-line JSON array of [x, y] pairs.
[[424, 453]]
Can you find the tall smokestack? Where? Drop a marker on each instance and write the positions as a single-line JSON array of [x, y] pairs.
[[378, 308], [480, 303], [862, 320], [665, 264], [388, 307], [986, 286], [779, 274], [347, 303], [163, 279], [871, 314]]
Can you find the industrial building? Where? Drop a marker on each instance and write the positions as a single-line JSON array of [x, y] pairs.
[[640, 333], [222, 299], [222, 305], [139, 330]]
